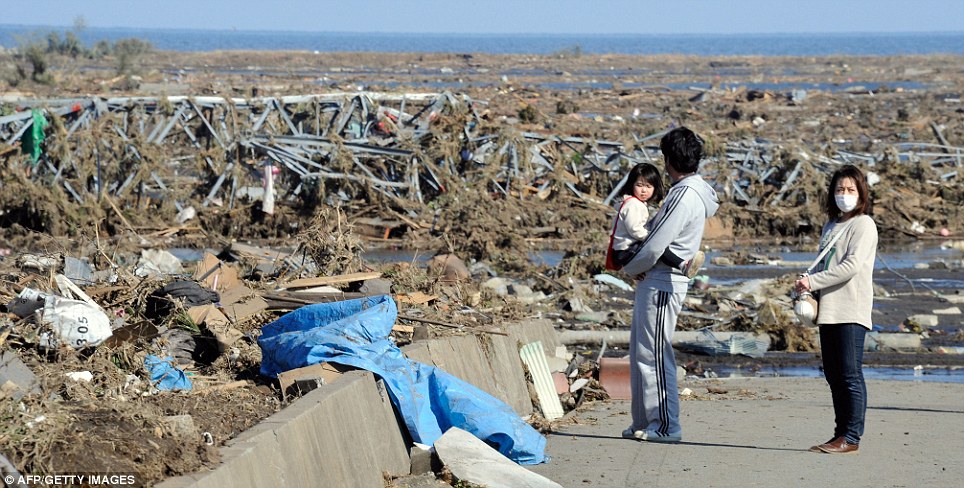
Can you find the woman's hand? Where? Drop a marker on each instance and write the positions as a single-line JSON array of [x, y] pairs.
[[802, 285]]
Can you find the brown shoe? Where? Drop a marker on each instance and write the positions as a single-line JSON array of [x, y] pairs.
[[836, 446]]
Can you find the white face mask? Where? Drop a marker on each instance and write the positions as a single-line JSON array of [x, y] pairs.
[[846, 203]]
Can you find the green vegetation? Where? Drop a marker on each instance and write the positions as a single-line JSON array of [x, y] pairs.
[[35, 51], [528, 114], [571, 52]]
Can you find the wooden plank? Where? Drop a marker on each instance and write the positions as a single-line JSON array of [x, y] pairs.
[[415, 298], [329, 280]]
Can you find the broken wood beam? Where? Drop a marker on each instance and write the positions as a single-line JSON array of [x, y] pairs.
[[328, 280]]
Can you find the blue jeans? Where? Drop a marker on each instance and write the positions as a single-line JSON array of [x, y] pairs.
[[842, 348]]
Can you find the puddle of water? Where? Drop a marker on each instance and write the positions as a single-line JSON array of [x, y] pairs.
[[548, 258], [895, 255], [397, 256], [940, 375], [189, 255]]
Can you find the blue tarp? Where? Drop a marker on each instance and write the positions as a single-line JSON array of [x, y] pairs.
[[164, 376], [430, 401]]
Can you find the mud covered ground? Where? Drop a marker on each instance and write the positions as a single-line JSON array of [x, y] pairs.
[[860, 104]]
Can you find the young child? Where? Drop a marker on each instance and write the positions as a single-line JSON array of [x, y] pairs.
[[643, 186]]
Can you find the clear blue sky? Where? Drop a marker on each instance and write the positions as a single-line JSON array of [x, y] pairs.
[[502, 16]]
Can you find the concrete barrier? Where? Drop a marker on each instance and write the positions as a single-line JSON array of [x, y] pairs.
[[346, 434], [490, 362], [342, 434]]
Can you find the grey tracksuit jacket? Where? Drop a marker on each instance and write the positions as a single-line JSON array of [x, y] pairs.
[[678, 225]]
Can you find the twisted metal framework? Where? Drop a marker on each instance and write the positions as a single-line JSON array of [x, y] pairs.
[[349, 146], [402, 146]]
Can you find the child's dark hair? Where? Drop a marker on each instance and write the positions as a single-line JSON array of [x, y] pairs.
[[651, 175]]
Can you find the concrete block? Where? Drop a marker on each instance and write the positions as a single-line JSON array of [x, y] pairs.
[[421, 458], [186, 481], [878, 341], [474, 461], [341, 434], [180, 426], [13, 370], [246, 466], [346, 426], [540, 330], [418, 351], [264, 429], [463, 358], [489, 362], [503, 355], [924, 320]]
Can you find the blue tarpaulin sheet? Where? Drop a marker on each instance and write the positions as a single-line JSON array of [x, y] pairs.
[[430, 401], [164, 376]]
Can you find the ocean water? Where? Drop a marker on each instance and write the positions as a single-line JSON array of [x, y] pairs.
[[882, 44]]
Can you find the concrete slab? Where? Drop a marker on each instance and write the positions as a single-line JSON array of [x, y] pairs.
[[419, 352], [337, 435], [503, 355], [13, 370], [345, 424], [540, 330], [476, 462], [489, 363], [463, 357]]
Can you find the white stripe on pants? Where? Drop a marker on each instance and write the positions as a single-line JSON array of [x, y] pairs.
[[652, 374]]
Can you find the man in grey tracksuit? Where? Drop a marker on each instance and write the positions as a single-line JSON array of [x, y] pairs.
[[678, 225]]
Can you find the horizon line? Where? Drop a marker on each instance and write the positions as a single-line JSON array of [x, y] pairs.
[[524, 34]]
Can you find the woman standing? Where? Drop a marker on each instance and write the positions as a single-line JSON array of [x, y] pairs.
[[845, 283]]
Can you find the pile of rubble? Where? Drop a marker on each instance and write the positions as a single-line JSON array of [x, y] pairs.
[[409, 165]]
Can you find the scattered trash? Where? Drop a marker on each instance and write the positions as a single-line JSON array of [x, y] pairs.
[[164, 375], [745, 344], [578, 384], [612, 280], [75, 323], [85, 376], [356, 333], [923, 320], [187, 293], [158, 262]]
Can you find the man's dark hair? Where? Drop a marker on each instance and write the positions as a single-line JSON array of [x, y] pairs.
[[682, 149]]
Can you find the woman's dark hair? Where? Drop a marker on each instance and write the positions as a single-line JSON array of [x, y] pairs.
[[863, 194], [652, 176]]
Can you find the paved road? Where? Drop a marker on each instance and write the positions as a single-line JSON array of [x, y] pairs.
[[758, 434]]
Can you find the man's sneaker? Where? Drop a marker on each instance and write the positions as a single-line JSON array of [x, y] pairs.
[[632, 434], [692, 267], [654, 437]]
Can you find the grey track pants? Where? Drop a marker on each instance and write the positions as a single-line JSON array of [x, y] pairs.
[[655, 404]]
